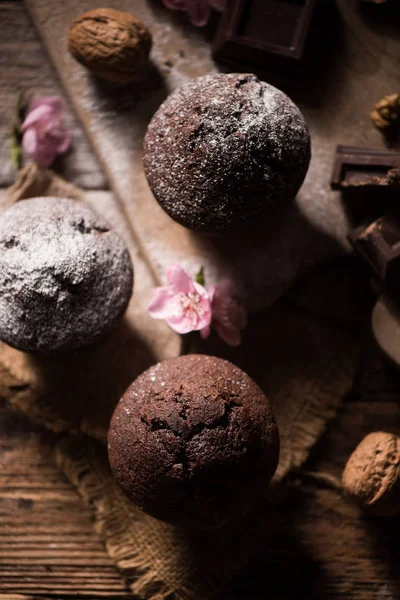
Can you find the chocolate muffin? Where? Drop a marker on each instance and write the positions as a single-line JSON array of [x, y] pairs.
[[65, 276], [224, 151], [193, 441]]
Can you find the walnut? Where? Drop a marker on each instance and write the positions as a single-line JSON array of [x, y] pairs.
[[112, 44], [371, 477], [387, 112], [393, 176]]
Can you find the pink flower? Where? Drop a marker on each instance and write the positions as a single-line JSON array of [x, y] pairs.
[[198, 10], [218, 4], [183, 303], [228, 316], [43, 135]]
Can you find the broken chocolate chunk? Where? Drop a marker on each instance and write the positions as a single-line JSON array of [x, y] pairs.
[[356, 168], [378, 245]]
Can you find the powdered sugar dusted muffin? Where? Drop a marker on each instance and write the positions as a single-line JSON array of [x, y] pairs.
[[194, 441], [65, 275], [224, 151]]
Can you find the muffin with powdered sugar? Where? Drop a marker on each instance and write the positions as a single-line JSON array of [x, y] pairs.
[[65, 276], [226, 151]]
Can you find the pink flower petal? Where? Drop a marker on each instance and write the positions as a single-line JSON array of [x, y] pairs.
[[178, 280], [230, 335], [190, 320], [160, 306], [62, 139], [53, 101], [228, 316], [44, 137], [39, 116], [64, 142], [175, 4], [225, 288], [205, 332], [29, 142], [206, 316], [232, 314], [182, 325], [241, 317], [45, 153], [211, 292], [201, 290], [218, 4], [199, 12]]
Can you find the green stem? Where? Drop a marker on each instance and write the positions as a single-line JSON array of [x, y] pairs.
[[15, 133], [199, 278]]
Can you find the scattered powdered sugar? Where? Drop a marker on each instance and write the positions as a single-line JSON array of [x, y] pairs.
[[224, 149], [65, 277]]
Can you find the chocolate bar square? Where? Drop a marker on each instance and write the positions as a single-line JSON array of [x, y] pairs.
[[356, 168], [266, 35]]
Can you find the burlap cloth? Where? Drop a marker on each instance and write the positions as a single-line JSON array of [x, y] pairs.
[[302, 352]]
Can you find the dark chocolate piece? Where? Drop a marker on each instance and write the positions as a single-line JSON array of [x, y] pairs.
[[357, 168], [266, 35], [194, 441], [378, 244]]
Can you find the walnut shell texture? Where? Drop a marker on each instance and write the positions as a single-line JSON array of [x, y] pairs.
[[112, 44], [371, 477], [386, 113]]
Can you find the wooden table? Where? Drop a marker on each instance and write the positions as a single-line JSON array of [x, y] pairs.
[[320, 546]]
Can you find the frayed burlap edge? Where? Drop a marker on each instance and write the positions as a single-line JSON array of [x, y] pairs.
[[33, 181], [25, 398], [133, 539], [324, 398]]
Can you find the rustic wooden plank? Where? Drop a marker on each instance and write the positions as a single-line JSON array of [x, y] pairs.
[[48, 545], [18, 597], [24, 66]]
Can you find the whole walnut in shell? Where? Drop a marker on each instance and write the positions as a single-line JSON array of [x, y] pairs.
[[112, 44], [371, 477]]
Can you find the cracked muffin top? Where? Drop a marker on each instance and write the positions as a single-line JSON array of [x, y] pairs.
[[65, 276], [193, 441], [224, 151]]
